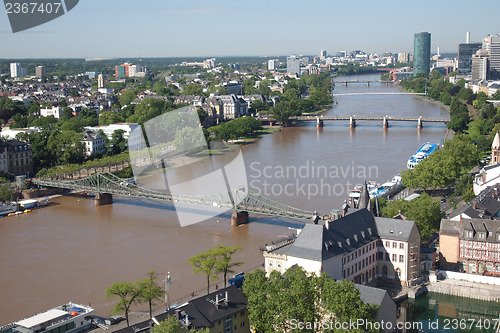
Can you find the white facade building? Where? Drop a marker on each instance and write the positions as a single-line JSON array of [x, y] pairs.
[[16, 70], [55, 111], [11, 133], [358, 247], [135, 143], [94, 143], [273, 64]]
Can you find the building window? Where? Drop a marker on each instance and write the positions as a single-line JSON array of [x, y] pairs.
[[242, 324], [387, 244], [387, 257], [394, 245], [401, 246], [401, 258], [394, 257], [472, 267], [481, 235], [384, 271], [469, 234], [398, 273]]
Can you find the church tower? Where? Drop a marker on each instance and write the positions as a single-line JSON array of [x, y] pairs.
[[495, 150]]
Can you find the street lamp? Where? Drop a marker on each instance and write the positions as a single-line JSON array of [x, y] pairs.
[[167, 291]]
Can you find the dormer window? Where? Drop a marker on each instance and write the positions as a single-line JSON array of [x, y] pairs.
[[481, 235], [469, 234]]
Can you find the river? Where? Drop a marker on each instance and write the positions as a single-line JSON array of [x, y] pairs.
[[74, 251]]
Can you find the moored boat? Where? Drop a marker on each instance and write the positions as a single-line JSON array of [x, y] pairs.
[[422, 153]]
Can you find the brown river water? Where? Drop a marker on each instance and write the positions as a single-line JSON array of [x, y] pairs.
[[73, 251]]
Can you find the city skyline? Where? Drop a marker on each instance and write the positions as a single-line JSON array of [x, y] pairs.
[[196, 28]]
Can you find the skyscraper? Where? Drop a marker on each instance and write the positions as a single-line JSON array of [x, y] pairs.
[[465, 53], [293, 65], [422, 53], [40, 72], [491, 44], [480, 65], [16, 70]]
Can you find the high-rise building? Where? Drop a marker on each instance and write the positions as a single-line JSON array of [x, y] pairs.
[[491, 43], [293, 65], [403, 57], [40, 72], [480, 65], [273, 64], [465, 53], [100, 81], [422, 53], [323, 54], [16, 70]]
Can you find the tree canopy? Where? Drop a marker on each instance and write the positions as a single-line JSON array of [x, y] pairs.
[[276, 302]]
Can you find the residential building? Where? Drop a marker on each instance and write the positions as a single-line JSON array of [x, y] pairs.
[[94, 143], [273, 64], [387, 308], [4, 165], [357, 247], [480, 65], [422, 53], [465, 53], [486, 205], [55, 111], [133, 143], [19, 158], [222, 311], [470, 245], [234, 106], [293, 65], [40, 72]]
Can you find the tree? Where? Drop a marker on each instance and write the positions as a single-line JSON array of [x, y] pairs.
[[150, 291], [127, 294], [425, 211], [117, 143], [275, 300], [206, 263], [224, 264], [5, 192]]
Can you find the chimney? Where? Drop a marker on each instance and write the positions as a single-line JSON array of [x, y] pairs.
[[217, 300], [467, 37], [177, 314], [227, 298], [327, 225]]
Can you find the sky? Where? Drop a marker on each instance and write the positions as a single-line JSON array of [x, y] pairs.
[[211, 28]]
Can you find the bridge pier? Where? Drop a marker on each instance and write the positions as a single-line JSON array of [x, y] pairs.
[[385, 123], [345, 84], [368, 84], [103, 199], [319, 122], [239, 218], [352, 122], [419, 123]]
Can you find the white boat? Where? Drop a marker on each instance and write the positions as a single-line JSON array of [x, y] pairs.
[[387, 189], [422, 153], [6, 209], [69, 317]]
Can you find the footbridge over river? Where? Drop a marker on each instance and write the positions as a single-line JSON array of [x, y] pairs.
[[240, 200]]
